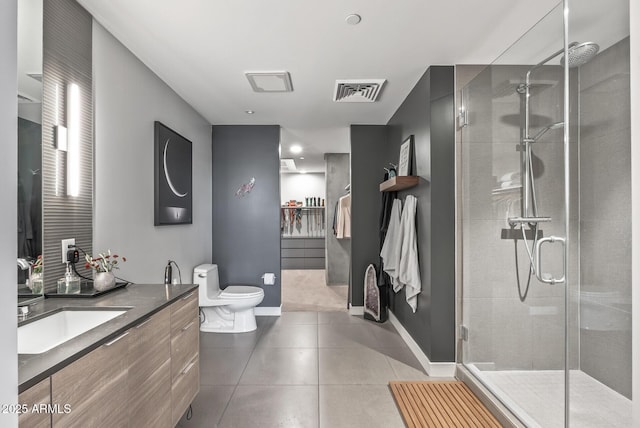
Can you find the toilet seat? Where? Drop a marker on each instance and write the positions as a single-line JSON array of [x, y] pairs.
[[240, 292]]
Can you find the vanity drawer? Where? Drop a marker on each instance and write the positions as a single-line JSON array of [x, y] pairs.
[[150, 347], [185, 388], [151, 407], [94, 387], [184, 346], [37, 394], [184, 311]]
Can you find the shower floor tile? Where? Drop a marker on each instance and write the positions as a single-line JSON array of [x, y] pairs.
[[540, 397]]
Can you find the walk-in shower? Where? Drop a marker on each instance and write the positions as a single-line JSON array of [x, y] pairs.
[[545, 179], [578, 54]]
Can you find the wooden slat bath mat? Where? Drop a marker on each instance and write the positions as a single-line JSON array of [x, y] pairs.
[[441, 405]]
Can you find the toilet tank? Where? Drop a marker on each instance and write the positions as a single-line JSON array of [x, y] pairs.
[[206, 276]]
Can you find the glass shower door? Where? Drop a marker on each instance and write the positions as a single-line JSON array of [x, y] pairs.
[[513, 202]]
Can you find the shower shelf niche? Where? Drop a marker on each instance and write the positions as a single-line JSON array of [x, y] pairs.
[[395, 184]]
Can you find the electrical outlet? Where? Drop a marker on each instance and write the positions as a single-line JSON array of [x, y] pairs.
[[65, 247]]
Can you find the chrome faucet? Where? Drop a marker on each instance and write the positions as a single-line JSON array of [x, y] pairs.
[[23, 264]]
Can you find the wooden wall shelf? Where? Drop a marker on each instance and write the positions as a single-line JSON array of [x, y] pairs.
[[395, 184]]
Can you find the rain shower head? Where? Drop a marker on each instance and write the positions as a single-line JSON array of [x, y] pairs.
[[580, 54]]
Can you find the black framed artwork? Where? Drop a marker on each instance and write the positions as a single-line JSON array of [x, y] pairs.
[[173, 196], [405, 162]]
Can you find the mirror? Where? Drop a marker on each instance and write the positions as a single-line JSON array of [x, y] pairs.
[[29, 203]]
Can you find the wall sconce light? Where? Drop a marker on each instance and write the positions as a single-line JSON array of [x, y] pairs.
[[73, 140]]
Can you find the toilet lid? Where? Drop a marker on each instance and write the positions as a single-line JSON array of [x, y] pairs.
[[241, 292]]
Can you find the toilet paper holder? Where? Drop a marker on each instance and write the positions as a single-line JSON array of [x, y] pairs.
[[269, 279]]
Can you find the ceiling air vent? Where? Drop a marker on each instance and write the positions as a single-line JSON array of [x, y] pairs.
[[357, 91], [287, 165]]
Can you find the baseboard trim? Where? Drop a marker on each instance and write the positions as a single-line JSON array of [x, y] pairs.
[[356, 310], [268, 311], [432, 369]]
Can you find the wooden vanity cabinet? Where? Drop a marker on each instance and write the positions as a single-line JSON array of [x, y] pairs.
[[39, 394], [94, 387], [185, 345], [145, 377], [150, 372]]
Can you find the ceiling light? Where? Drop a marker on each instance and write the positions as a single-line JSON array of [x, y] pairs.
[[249, 111], [295, 149], [274, 81], [301, 158], [353, 19], [303, 172]]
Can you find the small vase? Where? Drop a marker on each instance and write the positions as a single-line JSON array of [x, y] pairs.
[[104, 281]]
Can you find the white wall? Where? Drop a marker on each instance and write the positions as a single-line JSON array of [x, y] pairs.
[[128, 98], [8, 219], [301, 186], [634, 16]]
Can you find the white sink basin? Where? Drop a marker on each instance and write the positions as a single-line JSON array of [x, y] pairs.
[[48, 332]]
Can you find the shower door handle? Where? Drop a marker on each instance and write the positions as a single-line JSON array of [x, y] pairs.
[[548, 279]]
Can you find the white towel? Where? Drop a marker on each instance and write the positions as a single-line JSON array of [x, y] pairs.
[[390, 252], [409, 267]]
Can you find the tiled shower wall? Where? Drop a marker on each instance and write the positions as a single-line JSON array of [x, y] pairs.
[[605, 218], [505, 333]]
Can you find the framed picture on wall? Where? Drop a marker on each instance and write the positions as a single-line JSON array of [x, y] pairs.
[[173, 187], [406, 157]]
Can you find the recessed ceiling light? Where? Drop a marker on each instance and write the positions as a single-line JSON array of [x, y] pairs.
[[249, 111], [301, 158], [303, 172], [295, 149], [353, 19]]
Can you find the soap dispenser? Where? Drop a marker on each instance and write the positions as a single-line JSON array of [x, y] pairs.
[[70, 284]]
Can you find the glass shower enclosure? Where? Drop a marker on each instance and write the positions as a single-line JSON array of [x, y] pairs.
[[546, 220]]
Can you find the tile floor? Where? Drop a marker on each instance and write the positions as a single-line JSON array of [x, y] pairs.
[[307, 290], [303, 369]]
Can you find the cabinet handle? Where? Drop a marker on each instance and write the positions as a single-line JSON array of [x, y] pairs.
[[188, 368], [143, 323], [187, 296], [186, 327], [116, 339]]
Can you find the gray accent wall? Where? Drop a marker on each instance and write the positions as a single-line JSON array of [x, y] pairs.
[[246, 229], [337, 251], [428, 114], [67, 57], [8, 217], [129, 97], [368, 157]]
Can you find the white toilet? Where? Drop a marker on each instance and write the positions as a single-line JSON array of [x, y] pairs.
[[229, 310]]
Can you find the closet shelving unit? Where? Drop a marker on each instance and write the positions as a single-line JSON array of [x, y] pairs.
[[395, 184]]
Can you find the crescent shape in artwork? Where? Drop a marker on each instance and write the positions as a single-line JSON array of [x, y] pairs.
[[166, 173]]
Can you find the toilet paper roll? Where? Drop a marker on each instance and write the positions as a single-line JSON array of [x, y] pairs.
[[269, 278]]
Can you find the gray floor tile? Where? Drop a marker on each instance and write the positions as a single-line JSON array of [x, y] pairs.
[[208, 406], [404, 364], [298, 318], [271, 407], [353, 366], [282, 366], [355, 406], [346, 336], [339, 318], [229, 340], [223, 366], [289, 336]]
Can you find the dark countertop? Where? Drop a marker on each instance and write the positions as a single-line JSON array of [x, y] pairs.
[[143, 301]]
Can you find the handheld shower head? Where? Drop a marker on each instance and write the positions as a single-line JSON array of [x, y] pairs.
[[544, 130], [580, 54]]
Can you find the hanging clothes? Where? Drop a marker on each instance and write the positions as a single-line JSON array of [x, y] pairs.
[[343, 228], [391, 247], [409, 268]]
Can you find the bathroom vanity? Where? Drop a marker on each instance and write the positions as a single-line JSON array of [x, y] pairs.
[[140, 368]]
